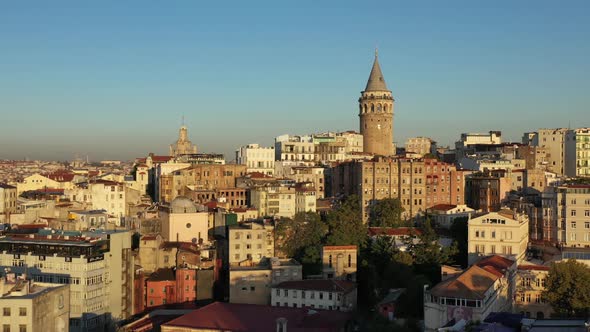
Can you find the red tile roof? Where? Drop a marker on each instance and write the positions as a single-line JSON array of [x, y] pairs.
[[471, 284], [319, 285], [60, 176], [495, 264], [235, 317], [390, 231], [161, 159], [534, 267]]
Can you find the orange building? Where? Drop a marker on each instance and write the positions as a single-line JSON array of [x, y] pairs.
[[166, 286]]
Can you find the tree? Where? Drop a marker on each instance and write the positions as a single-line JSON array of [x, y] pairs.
[[459, 232], [346, 225], [386, 213], [568, 288], [302, 238]]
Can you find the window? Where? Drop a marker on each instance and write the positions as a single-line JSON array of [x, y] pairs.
[[538, 298], [286, 292], [493, 234], [330, 260], [321, 295], [528, 297], [6, 312], [587, 224], [22, 311], [22, 328], [349, 260], [5, 328], [573, 213], [573, 224], [278, 292]]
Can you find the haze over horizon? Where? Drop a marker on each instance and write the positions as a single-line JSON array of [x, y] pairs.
[[112, 80]]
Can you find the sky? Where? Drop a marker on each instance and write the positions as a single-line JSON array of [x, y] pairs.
[[113, 79]]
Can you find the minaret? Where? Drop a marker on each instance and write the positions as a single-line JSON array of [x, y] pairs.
[[376, 114]]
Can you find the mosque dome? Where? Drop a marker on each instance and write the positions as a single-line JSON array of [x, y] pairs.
[[182, 204]]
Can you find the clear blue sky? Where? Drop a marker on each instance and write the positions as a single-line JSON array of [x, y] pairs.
[[112, 78]]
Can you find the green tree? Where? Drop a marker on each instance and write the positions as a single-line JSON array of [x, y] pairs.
[[302, 238], [428, 254], [386, 213], [459, 233], [568, 288], [346, 225]]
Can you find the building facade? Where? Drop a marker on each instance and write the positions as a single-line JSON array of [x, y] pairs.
[[257, 158], [316, 294], [504, 233], [577, 152], [183, 145]]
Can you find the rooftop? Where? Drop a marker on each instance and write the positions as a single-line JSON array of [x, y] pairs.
[[235, 317]]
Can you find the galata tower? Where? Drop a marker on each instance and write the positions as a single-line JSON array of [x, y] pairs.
[[376, 114]]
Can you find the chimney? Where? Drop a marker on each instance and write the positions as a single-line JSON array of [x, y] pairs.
[[281, 324]]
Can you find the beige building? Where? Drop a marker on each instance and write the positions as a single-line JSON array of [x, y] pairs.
[[305, 198], [534, 156], [28, 306], [577, 152], [339, 262], [274, 200], [504, 233], [571, 206], [257, 158], [471, 295], [530, 283], [420, 145], [376, 114], [418, 183], [38, 181], [313, 174], [553, 141], [316, 294], [183, 145], [182, 222], [250, 242], [7, 200], [198, 177], [252, 284]]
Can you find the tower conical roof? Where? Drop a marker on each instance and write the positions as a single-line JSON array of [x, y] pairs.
[[376, 81]]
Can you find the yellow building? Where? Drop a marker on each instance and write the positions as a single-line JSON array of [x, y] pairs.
[[339, 262], [250, 242], [504, 233]]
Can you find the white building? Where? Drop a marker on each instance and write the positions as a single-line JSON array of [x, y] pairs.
[[504, 233], [577, 153], [275, 200], [257, 158], [486, 287], [317, 294], [295, 148], [443, 215]]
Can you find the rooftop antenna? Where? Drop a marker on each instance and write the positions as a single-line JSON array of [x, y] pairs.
[[183, 120]]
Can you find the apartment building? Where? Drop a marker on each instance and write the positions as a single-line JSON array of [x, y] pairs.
[[252, 283], [418, 183], [29, 306], [274, 200], [553, 141], [198, 177], [250, 241], [74, 260], [571, 206], [486, 191], [295, 149], [420, 145], [504, 233], [316, 294], [7, 200], [443, 215], [257, 158], [469, 143], [531, 280], [577, 152]]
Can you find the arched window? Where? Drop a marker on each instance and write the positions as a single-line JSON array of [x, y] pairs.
[[330, 260], [372, 108], [385, 108], [349, 260], [365, 107], [379, 108]]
